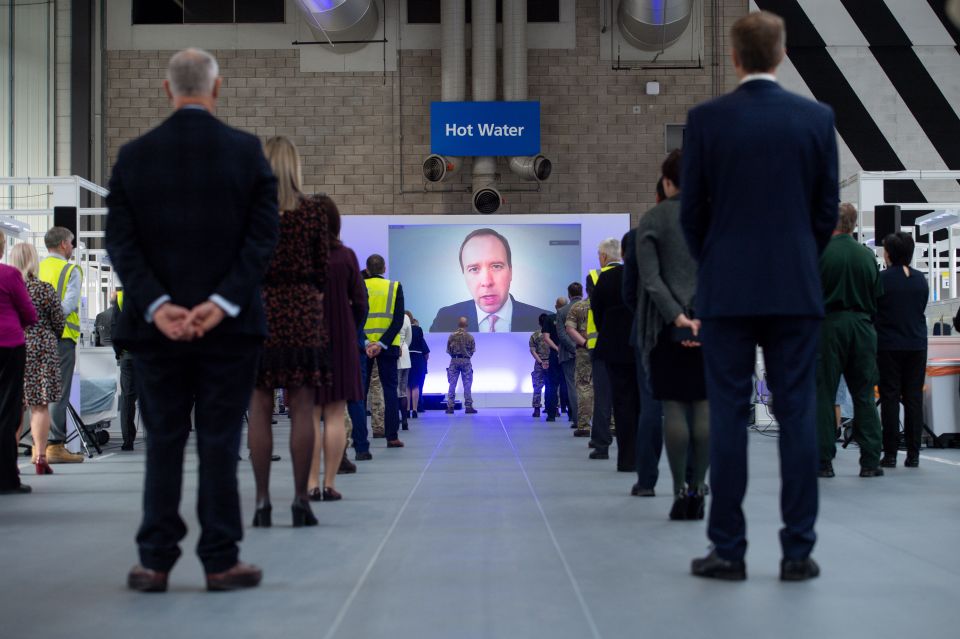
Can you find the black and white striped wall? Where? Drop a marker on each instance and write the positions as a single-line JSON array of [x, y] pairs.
[[891, 71]]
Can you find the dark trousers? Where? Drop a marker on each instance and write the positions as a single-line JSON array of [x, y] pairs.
[[128, 400], [626, 411], [901, 380], [216, 384], [569, 369], [848, 346], [552, 380], [649, 430], [602, 403], [67, 351], [790, 353], [12, 363], [387, 367], [357, 410], [562, 390]]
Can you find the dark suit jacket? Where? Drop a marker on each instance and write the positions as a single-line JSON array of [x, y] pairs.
[[630, 286], [192, 213], [759, 201], [525, 317], [613, 319]]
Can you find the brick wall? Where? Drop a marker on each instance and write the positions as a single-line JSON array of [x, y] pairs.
[[363, 136]]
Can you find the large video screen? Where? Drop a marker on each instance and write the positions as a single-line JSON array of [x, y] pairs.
[[499, 277]]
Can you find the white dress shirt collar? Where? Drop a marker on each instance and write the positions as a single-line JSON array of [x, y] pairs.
[[504, 315], [750, 77]]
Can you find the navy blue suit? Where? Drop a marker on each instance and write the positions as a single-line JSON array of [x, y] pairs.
[[759, 204], [525, 317], [192, 214]]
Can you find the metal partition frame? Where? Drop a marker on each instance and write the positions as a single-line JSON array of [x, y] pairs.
[[98, 284], [868, 186]]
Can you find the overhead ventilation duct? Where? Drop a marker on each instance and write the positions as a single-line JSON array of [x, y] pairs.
[[653, 25], [453, 78], [335, 20], [486, 197], [515, 81]]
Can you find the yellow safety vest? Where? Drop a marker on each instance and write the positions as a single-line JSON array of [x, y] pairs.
[[591, 323], [56, 272], [382, 296]]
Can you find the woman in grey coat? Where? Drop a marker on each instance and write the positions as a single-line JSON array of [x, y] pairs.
[[667, 334]]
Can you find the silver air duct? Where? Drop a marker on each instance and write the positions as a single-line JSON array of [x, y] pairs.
[[453, 78], [653, 25], [515, 81], [341, 20], [486, 197]]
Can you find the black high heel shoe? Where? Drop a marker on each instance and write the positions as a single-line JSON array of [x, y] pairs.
[[262, 517], [302, 515], [679, 510], [695, 508]]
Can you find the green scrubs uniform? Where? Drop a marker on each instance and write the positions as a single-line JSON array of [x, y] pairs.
[[848, 345]]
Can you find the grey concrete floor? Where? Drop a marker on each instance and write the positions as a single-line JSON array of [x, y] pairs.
[[493, 525]]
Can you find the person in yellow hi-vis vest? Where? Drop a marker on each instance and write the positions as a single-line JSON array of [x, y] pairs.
[[65, 277], [128, 386], [382, 341], [608, 254]]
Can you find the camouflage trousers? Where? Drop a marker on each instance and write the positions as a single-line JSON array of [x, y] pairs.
[[539, 376], [348, 424], [462, 368], [584, 380], [375, 403]]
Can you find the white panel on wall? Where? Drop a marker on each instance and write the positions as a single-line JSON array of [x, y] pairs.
[[6, 123]]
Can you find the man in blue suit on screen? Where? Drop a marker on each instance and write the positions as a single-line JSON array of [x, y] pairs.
[[759, 205], [487, 266]]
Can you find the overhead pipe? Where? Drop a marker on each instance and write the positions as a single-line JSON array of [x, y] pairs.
[[537, 167], [342, 20], [486, 197], [653, 25], [453, 78]]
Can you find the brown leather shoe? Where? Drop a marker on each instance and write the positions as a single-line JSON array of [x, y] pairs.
[[240, 576], [145, 580], [394, 443], [470, 411]]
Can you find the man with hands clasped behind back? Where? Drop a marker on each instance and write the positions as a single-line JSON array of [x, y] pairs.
[[194, 326]]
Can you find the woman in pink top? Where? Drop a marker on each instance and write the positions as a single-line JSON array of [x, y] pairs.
[[16, 313]]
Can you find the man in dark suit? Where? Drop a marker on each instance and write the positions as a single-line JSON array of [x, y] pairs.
[[649, 435], [614, 323], [487, 266], [191, 227], [759, 204]]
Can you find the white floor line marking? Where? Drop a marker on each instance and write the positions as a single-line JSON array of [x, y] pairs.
[[341, 615], [940, 460], [102, 457], [594, 631]]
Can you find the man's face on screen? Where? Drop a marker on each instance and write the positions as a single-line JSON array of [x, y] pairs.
[[486, 272]]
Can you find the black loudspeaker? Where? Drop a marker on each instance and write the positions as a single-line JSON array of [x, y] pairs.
[[66, 216], [886, 220]]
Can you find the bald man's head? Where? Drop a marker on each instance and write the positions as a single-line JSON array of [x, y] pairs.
[[462, 322]]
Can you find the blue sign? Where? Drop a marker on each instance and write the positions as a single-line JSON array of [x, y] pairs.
[[485, 128]]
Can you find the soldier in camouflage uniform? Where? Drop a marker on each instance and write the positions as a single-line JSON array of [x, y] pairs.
[[576, 327], [460, 348], [375, 404], [540, 351]]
